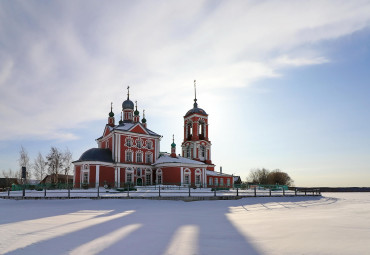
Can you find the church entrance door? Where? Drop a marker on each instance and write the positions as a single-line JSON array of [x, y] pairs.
[[139, 182]]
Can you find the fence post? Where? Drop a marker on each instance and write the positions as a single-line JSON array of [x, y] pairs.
[[295, 191], [237, 191], [215, 191], [45, 191], [255, 191], [8, 192], [283, 192], [189, 190], [305, 192], [69, 193], [98, 191], [159, 191], [270, 192], [24, 191]]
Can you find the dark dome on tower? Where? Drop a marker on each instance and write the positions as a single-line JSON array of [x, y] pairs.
[[196, 110], [127, 104]]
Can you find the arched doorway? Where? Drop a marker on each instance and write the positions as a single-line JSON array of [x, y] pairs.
[[139, 182]]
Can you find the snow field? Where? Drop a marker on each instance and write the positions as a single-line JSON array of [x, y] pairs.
[[337, 223]]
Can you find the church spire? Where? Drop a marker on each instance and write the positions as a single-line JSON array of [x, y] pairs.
[[195, 93], [128, 92]]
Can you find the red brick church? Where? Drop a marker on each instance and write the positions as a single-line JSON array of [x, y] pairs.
[[129, 152]]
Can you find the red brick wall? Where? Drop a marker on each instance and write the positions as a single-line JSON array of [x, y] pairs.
[[171, 175], [92, 176], [77, 176], [106, 174]]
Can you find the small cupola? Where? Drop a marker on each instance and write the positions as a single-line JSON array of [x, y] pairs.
[[143, 121], [173, 147], [121, 121], [111, 116], [128, 108], [136, 114]]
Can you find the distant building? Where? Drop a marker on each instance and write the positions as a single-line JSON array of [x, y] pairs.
[[129, 152], [7, 183]]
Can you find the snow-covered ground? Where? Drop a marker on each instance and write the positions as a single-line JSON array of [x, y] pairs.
[[337, 223]]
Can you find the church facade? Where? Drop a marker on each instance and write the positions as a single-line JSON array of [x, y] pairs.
[[129, 152]]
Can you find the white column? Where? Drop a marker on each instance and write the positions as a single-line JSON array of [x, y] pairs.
[[119, 177], [204, 177], [113, 148], [97, 176], [74, 175], [182, 175], [119, 148], [115, 176]]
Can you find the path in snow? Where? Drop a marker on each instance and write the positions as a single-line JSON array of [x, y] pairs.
[[337, 223]]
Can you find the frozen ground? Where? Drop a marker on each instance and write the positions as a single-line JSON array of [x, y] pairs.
[[337, 223]]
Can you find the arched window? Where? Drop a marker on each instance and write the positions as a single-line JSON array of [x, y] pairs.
[[138, 172], [159, 176], [149, 158], [139, 157], [128, 156], [148, 177], [129, 175], [202, 129], [189, 130], [187, 177], [203, 151], [188, 152], [197, 177]]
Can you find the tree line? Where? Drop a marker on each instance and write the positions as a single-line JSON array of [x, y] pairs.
[[267, 177], [56, 163]]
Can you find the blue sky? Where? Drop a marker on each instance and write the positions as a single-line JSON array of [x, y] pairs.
[[285, 83]]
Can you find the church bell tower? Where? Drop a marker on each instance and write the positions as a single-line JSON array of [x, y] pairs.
[[196, 144]]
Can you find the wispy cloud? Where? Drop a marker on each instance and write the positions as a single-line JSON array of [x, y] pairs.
[[61, 63]]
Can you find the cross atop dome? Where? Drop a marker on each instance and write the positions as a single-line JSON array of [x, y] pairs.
[[195, 92]]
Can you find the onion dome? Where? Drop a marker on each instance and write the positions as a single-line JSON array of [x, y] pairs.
[[111, 114], [136, 112], [173, 144], [128, 104], [143, 120]]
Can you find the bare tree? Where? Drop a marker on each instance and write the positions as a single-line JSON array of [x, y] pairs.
[[39, 167], [24, 161], [265, 176], [54, 163], [280, 178], [67, 163], [258, 176], [9, 174]]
